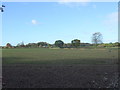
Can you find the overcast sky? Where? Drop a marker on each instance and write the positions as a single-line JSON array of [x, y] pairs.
[[32, 22]]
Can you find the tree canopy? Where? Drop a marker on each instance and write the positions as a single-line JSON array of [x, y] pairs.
[[75, 42], [59, 43]]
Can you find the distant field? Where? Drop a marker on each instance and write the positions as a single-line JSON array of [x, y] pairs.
[[59, 56]]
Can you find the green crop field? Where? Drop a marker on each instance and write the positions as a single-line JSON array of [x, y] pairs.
[[60, 56]]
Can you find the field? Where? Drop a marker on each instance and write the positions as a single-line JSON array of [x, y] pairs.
[[60, 68]]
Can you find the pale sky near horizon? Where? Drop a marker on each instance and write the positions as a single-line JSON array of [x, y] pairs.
[[33, 22]]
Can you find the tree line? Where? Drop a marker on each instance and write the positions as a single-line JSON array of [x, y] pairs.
[[75, 43]]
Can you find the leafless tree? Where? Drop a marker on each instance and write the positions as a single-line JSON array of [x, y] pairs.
[[97, 38]]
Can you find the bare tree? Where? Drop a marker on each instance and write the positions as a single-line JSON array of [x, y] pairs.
[[97, 38]]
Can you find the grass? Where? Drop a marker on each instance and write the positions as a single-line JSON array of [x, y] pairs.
[[59, 56]]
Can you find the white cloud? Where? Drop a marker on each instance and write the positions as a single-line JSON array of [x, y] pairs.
[[66, 1], [74, 3], [112, 20], [60, 0], [87, 0], [34, 22], [94, 6]]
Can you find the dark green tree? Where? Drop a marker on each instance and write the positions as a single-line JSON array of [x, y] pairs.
[[59, 43], [8, 45], [75, 43], [32, 45], [42, 44]]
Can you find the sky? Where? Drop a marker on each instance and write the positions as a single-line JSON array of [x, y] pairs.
[[32, 22]]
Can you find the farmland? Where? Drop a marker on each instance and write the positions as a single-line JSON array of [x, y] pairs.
[[60, 68]]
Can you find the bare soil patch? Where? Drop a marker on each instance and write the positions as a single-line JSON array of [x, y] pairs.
[[59, 76]]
